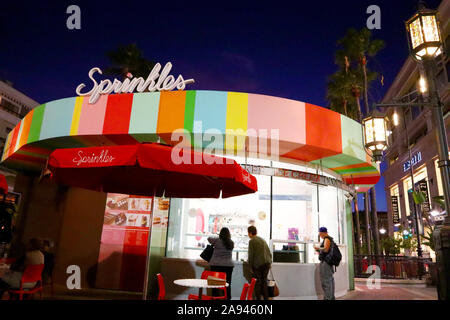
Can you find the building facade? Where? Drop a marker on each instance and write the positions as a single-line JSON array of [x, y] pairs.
[[14, 105], [414, 137]]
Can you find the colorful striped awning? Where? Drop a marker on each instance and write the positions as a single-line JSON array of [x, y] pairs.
[[304, 131]]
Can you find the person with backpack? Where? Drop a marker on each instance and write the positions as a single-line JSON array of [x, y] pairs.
[[330, 257]]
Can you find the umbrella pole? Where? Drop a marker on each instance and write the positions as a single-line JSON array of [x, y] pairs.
[[147, 260]]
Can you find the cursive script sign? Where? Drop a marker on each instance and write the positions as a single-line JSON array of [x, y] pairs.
[[155, 81], [102, 158]]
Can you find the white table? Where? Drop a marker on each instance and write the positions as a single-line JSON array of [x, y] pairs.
[[198, 283]]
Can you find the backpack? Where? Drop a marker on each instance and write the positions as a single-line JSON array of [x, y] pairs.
[[334, 257]]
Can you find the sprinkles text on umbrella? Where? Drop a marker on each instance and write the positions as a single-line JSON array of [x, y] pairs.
[[155, 82], [103, 157]]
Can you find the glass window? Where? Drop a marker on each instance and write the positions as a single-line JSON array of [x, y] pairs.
[[407, 186], [191, 221], [292, 213], [328, 211], [298, 209]]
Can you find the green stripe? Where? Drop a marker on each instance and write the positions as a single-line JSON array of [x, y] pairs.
[[349, 221], [189, 110], [36, 124], [354, 170]]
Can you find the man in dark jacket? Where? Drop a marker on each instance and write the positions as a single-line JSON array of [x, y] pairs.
[[259, 261], [326, 270]]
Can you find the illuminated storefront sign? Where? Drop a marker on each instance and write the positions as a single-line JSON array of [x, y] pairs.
[[286, 173], [155, 82], [415, 159]]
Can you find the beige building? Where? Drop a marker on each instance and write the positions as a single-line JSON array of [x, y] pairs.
[[420, 134], [14, 105]]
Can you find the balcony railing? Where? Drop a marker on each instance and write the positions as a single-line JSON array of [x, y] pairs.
[[13, 109], [392, 267]]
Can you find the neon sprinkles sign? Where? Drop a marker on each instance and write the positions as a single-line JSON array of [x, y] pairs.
[[155, 81]]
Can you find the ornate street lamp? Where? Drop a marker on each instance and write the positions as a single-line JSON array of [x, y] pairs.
[[376, 134], [424, 36], [425, 44]]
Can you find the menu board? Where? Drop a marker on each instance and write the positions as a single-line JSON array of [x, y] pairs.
[[123, 248], [124, 241], [127, 220]]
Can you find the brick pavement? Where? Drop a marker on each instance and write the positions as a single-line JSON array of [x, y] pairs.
[[391, 292]]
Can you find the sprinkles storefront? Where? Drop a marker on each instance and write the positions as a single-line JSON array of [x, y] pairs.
[[308, 162]]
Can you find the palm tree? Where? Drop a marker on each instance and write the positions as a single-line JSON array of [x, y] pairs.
[[352, 58], [339, 94], [127, 59], [356, 47]]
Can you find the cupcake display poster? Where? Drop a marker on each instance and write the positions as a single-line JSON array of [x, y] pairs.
[[127, 219], [124, 240]]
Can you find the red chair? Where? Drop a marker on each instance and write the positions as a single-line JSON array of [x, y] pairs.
[[251, 288], [162, 288], [244, 292], [205, 275], [32, 273]]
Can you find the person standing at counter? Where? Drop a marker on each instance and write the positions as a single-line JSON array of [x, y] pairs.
[[326, 270], [259, 261], [221, 260]]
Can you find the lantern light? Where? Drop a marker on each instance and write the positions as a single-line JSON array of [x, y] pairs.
[[375, 134], [423, 85], [395, 119], [424, 35]]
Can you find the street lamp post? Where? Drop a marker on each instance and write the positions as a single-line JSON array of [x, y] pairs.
[[425, 43], [414, 206]]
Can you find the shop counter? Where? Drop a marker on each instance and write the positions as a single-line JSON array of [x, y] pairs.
[[295, 280]]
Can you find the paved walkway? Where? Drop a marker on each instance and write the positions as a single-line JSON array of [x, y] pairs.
[[391, 292]]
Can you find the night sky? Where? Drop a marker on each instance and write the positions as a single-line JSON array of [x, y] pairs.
[[280, 48]]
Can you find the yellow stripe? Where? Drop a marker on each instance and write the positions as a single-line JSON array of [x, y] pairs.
[[236, 122], [76, 116], [7, 145]]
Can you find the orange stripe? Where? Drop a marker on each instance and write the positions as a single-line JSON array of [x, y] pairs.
[[14, 139], [171, 112], [25, 129]]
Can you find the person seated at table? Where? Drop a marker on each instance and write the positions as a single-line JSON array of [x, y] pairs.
[[49, 261], [32, 256], [221, 260]]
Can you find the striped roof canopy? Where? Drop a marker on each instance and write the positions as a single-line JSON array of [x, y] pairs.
[[304, 131]]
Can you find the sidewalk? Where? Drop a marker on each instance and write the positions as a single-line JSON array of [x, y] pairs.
[[391, 292]]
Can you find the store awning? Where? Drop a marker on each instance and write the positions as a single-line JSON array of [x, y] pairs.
[[288, 130], [147, 169]]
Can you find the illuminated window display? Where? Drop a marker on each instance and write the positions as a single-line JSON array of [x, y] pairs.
[[287, 213]]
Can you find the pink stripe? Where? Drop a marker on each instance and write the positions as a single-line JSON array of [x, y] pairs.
[[92, 116]]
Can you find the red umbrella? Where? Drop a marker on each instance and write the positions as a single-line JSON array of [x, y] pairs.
[[150, 169], [3, 185]]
